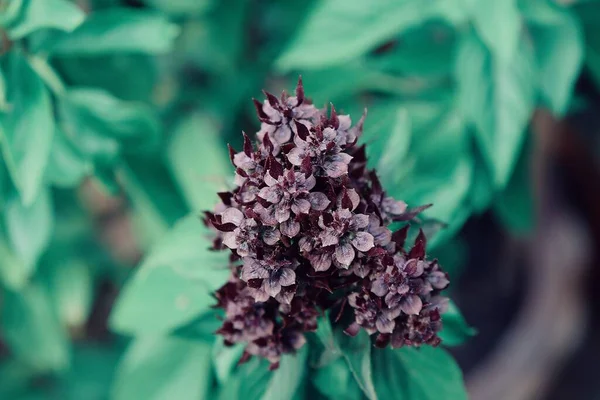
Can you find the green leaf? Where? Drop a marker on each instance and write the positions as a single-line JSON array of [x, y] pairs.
[[200, 177], [29, 229], [181, 7], [97, 123], [498, 98], [174, 283], [515, 205], [330, 349], [455, 329], [249, 382], [32, 330], [157, 202], [70, 287], [56, 14], [426, 373], [499, 26], [288, 378], [436, 168], [353, 29], [27, 129], [66, 166], [336, 381], [225, 359], [14, 273], [395, 148], [119, 30], [9, 12], [253, 380], [559, 50], [425, 50], [164, 368], [357, 353]]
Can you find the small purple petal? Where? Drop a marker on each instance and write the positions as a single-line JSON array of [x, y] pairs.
[[271, 194], [272, 286], [359, 221], [287, 277], [318, 201], [282, 213], [320, 262], [290, 228], [379, 287], [384, 325], [295, 156], [411, 304], [232, 215], [230, 239], [252, 269], [438, 280], [363, 241], [301, 206], [271, 236], [344, 254], [335, 169], [328, 238]]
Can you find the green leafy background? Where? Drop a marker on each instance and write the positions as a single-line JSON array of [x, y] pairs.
[[137, 99]]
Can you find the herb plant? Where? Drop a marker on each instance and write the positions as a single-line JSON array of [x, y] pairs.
[[120, 279]]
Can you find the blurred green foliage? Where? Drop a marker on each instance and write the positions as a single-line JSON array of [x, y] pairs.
[[140, 97]]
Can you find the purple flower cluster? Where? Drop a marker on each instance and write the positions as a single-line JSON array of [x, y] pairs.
[[307, 226]]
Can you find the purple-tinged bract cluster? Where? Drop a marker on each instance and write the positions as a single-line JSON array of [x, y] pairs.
[[307, 227]]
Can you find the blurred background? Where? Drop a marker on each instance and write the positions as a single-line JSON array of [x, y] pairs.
[[115, 115]]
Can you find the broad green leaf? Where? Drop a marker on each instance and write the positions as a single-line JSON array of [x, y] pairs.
[[353, 29], [396, 146], [455, 329], [119, 30], [514, 206], [32, 330], [498, 98], [96, 123], [164, 368], [249, 382], [335, 381], [4, 106], [435, 167], [225, 359], [181, 7], [499, 25], [174, 283], [27, 128], [14, 273], [253, 380], [56, 14], [288, 379], [29, 229], [357, 353], [482, 189], [122, 120], [588, 14], [9, 11], [426, 50], [15, 377], [559, 52], [70, 287], [127, 76], [325, 335], [198, 161], [157, 202], [91, 373], [426, 373], [66, 166]]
